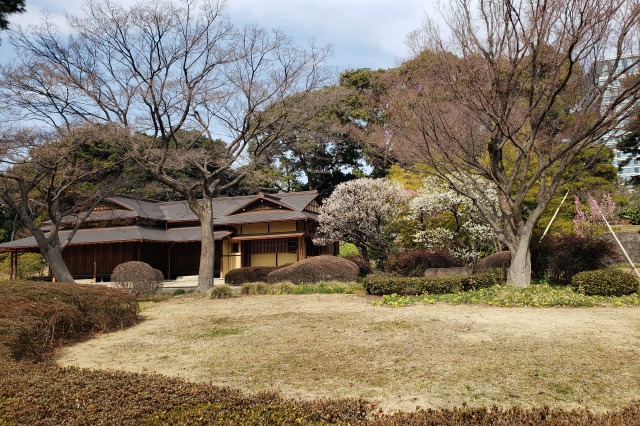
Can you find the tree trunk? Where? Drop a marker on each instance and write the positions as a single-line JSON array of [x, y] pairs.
[[207, 251], [520, 269], [364, 253], [53, 257]]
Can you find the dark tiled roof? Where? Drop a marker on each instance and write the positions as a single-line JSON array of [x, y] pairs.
[[293, 205], [179, 211], [263, 216], [122, 234]]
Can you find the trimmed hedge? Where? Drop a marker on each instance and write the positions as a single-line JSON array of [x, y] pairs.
[[37, 316], [384, 284], [605, 282], [316, 269], [250, 274], [413, 263]]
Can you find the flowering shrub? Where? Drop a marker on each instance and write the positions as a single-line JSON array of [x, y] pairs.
[[589, 223], [448, 220], [363, 212]]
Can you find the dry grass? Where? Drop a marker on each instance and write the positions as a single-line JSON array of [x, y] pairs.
[[423, 355]]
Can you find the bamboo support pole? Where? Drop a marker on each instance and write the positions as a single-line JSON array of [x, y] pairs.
[[554, 216]]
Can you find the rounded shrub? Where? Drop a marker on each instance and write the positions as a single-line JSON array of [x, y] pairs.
[[605, 282], [159, 275], [363, 266], [316, 269], [137, 277], [249, 274], [221, 292], [499, 260]]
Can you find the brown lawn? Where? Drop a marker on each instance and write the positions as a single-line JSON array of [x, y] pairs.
[[438, 355]]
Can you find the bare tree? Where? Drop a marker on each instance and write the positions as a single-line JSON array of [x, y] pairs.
[[165, 71], [513, 95], [50, 175]]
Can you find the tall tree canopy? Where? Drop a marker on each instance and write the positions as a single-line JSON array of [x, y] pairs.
[[7, 7], [53, 175], [510, 93], [319, 152], [169, 74]]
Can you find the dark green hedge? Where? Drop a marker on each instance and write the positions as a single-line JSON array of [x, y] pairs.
[[37, 316], [605, 282], [382, 284]]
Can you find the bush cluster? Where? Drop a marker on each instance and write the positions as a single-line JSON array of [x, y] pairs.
[[632, 214], [413, 263], [605, 282], [384, 284], [316, 269], [221, 292], [137, 277], [35, 317], [249, 274], [559, 257], [363, 266]]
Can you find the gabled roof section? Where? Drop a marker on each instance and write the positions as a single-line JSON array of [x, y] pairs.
[[178, 211], [298, 200], [261, 202]]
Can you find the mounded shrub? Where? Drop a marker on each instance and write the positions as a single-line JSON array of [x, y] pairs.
[[35, 317], [559, 257], [605, 282], [363, 265], [221, 292], [499, 260], [384, 284], [136, 277], [250, 274], [159, 276], [316, 269], [413, 263]]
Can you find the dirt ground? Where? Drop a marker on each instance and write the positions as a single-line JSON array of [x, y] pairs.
[[438, 355]]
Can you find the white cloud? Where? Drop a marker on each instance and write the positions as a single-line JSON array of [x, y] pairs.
[[363, 33]]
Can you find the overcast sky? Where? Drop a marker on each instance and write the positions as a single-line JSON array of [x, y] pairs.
[[363, 33]]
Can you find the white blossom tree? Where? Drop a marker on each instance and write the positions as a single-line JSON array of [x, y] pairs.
[[449, 220], [363, 212]]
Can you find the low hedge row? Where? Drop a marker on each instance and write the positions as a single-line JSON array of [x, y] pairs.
[[34, 316], [37, 394], [384, 284]]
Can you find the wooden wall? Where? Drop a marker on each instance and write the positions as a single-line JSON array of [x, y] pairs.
[[100, 259]]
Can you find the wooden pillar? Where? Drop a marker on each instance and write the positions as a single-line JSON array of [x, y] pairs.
[[95, 263], [169, 261]]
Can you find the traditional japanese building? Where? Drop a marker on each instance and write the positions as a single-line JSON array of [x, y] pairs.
[[255, 230]]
